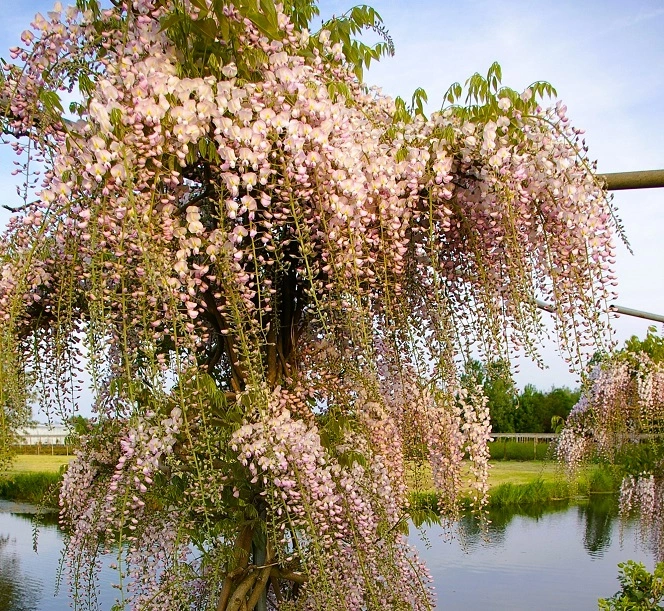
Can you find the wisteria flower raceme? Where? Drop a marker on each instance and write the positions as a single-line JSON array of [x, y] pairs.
[[619, 417], [268, 267]]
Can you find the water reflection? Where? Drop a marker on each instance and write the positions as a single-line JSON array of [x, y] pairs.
[[18, 590], [547, 557], [551, 557], [29, 579], [598, 518], [474, 531]]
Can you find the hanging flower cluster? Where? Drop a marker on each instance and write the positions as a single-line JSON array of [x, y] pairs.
[[265, 268], [334, 503], [107, 500], [619, 417], [643, 495], [623, 401]]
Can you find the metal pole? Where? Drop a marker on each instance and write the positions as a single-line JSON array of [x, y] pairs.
[[613, 308], [644, 179], [542, 305], [636, 313]]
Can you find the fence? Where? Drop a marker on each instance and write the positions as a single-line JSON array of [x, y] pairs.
[[526, 437], [53, 449]]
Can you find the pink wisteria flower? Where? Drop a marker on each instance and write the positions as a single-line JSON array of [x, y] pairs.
[[268, 271], [619, 418]]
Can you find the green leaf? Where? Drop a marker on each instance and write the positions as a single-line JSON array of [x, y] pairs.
[[51, 101], [268, 8], [202, 6], [171, 20], [115, 117], [202, 147], [224, 28], [495, 73], [207, 27], [85, 84], [263, 24], [420, 94]]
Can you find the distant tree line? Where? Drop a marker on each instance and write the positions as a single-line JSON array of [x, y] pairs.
[[511, 411]]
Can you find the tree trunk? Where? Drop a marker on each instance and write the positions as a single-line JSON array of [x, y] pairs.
[[259, 548]]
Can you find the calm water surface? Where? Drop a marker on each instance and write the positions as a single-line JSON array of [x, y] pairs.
[[561, 558]]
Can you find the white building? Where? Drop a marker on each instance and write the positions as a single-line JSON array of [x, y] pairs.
[[55, 434]]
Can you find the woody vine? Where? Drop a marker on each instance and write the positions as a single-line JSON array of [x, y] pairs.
[[269, 271]]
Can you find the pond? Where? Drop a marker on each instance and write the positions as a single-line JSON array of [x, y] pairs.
[[556, 557]]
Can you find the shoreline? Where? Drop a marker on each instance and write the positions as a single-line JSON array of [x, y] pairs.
[[514, 484]]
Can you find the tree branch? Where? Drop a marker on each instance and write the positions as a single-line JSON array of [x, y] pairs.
[[300, 578], [276, 588], [207, 192], [261, 582], [15, 209], [242, 547], [238, 600]]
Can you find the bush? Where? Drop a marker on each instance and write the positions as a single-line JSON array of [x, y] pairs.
[[639, 589], [537, 492], [505, 495], [604, 479], [504, 449], [599, 480]]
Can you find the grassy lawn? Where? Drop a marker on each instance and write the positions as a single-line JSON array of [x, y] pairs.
[[44, 463], [419, 478], [514, 472], [512, 482], [501, 472]]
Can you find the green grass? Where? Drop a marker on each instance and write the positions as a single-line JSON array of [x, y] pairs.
[[532, 493], [44, 463], [594, 479], [523, 484], [33, 479], [514, 472], [37, 488], [512, 483], [419, 475]]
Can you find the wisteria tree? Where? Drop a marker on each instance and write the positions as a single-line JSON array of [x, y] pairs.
[[269, 272], [620, 419]]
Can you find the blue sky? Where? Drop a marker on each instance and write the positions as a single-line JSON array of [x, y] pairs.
[[605, 59]]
